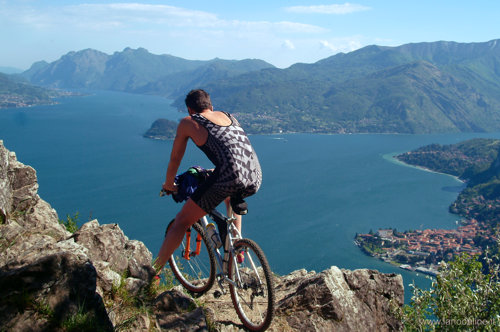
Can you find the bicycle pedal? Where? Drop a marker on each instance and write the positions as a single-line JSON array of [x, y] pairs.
[[217, 294]]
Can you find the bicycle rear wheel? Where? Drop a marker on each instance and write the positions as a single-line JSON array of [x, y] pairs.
[[193, 262], [253, 295]]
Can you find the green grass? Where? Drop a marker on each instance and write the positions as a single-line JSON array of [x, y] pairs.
[[81, 322], [129, 307], [71, 222]]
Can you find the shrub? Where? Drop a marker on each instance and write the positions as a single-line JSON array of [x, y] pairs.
[[71, 222], [465, 296]]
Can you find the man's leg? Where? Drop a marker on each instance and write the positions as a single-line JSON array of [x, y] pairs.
[[240, 257], [189, 214], [237, 222]]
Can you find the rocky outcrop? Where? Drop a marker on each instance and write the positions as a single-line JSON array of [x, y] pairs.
[[332, 300], [47, 292], [340, 300], [51, 279], [48, 276], [115, 255]]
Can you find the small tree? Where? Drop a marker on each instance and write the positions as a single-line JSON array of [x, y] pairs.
[[462, 298]]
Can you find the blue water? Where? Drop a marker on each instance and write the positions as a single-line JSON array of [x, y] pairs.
[[318, 190]]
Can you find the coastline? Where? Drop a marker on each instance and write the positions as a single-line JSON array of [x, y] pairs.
[[418, 257], [392, 157]]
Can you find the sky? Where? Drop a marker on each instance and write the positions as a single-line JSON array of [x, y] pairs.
[[279, 32]]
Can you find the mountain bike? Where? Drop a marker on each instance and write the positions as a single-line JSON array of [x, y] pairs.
[[242, 266]]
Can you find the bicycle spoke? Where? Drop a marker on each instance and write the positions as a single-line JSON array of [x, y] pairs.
[[196, 272], [253, 295]]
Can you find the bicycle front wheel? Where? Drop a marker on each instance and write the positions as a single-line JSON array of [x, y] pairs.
[[193, 262], [253, 295]]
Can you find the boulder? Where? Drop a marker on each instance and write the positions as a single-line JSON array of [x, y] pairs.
[[175, 311], [116, 255], [48, 292], [340, 300]]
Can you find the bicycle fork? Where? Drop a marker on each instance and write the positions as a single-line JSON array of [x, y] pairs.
[[187, 250]]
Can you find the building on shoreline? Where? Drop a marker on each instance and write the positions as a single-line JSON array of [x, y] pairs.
[[422, 250]]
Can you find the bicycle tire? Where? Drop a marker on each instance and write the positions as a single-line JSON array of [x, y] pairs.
[[255, 315], [196, 274]]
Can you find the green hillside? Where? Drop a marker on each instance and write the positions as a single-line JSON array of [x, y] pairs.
[[414, 88], [179, 83], [477, 162], [162, 129], [18, 93], [465, 160]]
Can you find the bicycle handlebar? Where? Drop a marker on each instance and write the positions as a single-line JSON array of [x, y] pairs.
[[164, 192]]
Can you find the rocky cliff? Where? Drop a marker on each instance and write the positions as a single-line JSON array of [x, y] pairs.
[[97, 279]]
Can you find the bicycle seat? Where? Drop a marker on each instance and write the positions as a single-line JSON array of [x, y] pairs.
[[239, 205]]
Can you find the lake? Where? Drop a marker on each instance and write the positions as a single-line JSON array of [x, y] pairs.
[[318, 191]]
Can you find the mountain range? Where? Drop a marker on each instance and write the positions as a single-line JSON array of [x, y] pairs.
[[414, 88], [134, 70]]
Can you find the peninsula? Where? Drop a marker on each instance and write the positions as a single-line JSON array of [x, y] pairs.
[[477, 162]]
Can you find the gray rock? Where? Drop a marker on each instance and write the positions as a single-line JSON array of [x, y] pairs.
[[176, 311], [340, 300], [108, 243], [43, 293], [19, 200]]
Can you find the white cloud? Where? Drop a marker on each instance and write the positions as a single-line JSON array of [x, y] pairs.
[[326, 44], [135, 15], [129, 14], [336, 9], [347, 44], [288, 45], [299, 27]]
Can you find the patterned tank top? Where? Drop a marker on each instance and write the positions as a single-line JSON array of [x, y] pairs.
[[229, 149]]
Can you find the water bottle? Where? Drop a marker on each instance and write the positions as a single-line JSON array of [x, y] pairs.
[[213, 235]]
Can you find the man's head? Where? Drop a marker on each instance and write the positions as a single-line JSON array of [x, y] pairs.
[[198, 100]]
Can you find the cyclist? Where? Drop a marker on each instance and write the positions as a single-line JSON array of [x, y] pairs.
[[237, 172]]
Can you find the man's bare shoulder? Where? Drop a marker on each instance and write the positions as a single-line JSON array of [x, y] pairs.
[[188, 127], [187, 122]]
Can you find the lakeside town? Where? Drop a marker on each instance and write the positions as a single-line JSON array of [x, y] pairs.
[[14, 100], [423, 250]]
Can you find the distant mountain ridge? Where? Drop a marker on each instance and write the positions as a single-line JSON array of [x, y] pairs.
[[10, 70], [429, 87], [132, 70], [413, 88]]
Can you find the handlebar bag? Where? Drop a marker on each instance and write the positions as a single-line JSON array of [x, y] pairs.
[[188, 182]]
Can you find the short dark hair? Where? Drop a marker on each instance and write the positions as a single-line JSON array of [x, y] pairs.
[[198, 100]]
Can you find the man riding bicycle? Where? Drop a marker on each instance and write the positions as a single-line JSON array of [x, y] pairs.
[[237, 172]]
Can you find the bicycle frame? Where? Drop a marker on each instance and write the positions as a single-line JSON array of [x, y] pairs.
[[222, 261]]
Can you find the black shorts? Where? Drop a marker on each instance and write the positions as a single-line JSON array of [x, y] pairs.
[[213, 192]]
